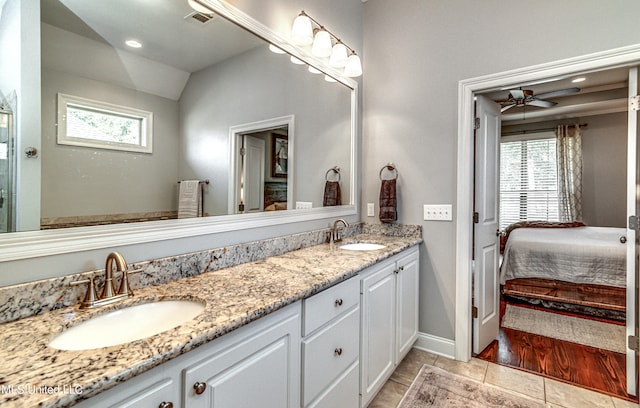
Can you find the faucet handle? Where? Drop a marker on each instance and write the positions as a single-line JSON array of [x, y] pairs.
[[125, 288], [91, 296]]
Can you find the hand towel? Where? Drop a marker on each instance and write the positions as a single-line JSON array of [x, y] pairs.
[[332, 194], [190, 199], [388, 201]]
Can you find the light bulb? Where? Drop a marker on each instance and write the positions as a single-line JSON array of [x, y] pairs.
[[314, 70], [338, 58], [275, 49], [321, 44], [329, 79], [199, 7], [296, 60], [302, 31], [353, 67]]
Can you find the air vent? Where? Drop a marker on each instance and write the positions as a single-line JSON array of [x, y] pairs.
[[199, 18]]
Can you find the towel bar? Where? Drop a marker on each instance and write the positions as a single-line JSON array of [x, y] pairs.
[[334, 169], [390, 167], [201, 181]]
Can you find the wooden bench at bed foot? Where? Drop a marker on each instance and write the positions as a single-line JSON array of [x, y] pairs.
[[592, 300]]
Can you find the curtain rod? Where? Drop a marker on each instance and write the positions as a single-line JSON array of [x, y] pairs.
[[524, 132]]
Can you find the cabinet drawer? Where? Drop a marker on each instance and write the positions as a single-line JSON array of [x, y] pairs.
[[329, 352], [325, 306], [344, 392]]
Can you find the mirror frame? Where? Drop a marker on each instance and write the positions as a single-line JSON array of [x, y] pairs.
[[33, 244]]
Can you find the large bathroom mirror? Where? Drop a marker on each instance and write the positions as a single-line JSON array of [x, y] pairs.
[[176, 85]]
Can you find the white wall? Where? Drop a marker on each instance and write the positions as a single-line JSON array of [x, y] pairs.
[[415, 54]]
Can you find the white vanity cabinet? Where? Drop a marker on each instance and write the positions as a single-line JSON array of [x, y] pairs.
[[331, 347], [257, 370], [389, 319], [257, 365]]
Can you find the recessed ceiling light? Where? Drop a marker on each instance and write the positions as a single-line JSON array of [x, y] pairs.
[[580, 79], [133, 43]]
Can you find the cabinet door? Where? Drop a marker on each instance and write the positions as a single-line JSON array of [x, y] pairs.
[[261, 371], [378, 329], [406, 304]]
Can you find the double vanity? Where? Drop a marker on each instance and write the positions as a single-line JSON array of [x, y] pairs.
[[321, 326]]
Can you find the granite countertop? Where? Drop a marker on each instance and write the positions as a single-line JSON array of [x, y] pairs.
[[233, 296]]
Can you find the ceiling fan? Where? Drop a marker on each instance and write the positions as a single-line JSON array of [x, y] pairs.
[[522, 97]]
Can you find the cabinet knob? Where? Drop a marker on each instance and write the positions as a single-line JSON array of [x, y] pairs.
[[338, 351], [623, 239], [199, 387], [165, 405], [338, 302]]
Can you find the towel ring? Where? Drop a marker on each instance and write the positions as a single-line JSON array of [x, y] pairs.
[[390, 167], [336, 170]]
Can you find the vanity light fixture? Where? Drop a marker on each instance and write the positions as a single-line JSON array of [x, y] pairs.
[[325, 44], [275, 49], [314, 70]]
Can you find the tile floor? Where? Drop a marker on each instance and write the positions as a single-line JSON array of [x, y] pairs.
[[556, 394]]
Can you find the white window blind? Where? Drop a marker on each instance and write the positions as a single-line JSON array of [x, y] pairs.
[[528, 181]]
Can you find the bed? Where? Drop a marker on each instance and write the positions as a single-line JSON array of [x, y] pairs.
[[583, 255]]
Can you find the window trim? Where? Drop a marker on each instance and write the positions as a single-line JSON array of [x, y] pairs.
[[146, 125]]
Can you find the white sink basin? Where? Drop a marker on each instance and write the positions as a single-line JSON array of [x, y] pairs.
[[128, 324], [361, 246]]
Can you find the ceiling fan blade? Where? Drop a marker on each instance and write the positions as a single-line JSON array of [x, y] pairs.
[[504, 108], [541, 104], [516, 93], [558, 93]]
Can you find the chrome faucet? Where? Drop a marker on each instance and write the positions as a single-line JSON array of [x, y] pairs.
[[335, 232], [108, 294]]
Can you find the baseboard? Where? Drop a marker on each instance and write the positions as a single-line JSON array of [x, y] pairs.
[[436, 345]]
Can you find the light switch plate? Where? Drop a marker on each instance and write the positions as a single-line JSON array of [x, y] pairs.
[[302, 205], [438, 212], [371, 208]]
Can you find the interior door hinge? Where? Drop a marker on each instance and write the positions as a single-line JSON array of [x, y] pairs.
[[476, 217], [634, 343], [474, 312], [634, 103], [476, 123], [633, 222], [242, 151]]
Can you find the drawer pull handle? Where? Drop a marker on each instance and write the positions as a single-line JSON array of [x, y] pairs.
[[338, 302], [199, 387], [165, 405], [338, 351]]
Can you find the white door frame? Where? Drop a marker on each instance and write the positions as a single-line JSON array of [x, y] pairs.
[[615, 58], [235, 142]]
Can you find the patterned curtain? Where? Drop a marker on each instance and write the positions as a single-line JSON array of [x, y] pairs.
[[569, 154]]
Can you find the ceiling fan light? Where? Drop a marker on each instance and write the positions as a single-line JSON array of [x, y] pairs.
[[338, 58], [321, 44], [353, 67], [302, 31]]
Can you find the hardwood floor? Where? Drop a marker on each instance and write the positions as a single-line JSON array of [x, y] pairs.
[[592, 368]]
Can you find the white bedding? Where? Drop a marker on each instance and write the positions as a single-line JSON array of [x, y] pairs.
[[591, 255]]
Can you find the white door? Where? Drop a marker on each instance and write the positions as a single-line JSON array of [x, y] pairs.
[[632, 235], [253, 174], [486, 292]]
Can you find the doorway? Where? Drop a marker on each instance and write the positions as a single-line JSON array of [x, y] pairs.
[[628, 56]]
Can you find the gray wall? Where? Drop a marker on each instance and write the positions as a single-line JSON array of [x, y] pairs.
[[89, 181], [254, 86], [415, 54]]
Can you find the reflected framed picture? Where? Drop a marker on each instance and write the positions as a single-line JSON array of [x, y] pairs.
[[279, 155]]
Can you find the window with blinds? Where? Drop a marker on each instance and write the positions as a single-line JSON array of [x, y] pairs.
[[528, 180]]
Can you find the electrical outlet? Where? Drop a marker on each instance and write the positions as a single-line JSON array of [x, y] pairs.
[[371, 209], [438, 212], [302, 205]]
